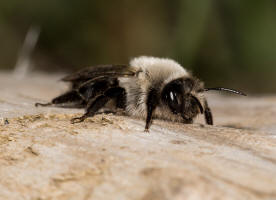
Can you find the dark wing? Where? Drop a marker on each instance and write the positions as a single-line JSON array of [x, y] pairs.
[[100, 71], [90, 82]]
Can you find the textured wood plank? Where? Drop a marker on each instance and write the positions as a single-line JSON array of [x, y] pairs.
[[43, 156]]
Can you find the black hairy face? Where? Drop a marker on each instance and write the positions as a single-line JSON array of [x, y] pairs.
[[178, 96]]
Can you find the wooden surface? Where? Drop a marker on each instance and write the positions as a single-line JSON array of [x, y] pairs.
[[44, 156]]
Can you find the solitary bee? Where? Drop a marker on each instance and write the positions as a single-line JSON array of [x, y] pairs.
[[147, 88]]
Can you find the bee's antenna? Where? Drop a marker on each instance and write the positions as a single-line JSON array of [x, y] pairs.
[[225, 89], [198, 104]]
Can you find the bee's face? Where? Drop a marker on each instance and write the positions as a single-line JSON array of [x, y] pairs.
[[180, 97]]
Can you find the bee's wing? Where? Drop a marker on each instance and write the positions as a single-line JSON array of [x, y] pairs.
[[100, 71]]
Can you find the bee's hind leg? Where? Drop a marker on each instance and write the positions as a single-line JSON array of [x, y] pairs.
[[70, 99], [95, 104], [43, 104]]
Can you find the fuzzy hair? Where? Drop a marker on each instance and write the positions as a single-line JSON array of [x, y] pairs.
[[153, 73]]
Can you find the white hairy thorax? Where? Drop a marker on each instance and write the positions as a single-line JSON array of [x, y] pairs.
[[153, 73]]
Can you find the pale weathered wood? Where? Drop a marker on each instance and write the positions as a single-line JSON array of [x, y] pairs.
[[43, 156]]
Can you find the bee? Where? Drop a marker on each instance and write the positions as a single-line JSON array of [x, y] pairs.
[[147, 88]]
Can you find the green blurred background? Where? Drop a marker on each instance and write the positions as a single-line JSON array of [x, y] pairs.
[[229, 43]]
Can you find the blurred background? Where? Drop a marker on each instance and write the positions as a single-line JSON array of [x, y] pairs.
[[229, 43]]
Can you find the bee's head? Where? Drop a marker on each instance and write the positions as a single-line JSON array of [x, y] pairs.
[[181, 96], [184, 96]]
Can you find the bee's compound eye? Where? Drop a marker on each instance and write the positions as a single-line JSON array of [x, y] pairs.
[[174, 101], [172, 95], [173, 98]]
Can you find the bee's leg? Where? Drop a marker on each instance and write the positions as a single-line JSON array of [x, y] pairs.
[[120, 103], [99, 102], [152, 102], [92, 108], [70, 99], [208, 114], [43, 104]]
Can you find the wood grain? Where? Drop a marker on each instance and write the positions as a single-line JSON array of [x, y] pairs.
[[44, 156]]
